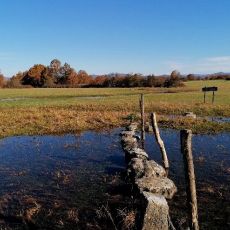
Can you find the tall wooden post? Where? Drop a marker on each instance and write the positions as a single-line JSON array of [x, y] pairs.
[[186, 150], [213, 96], [159, 140], [204, 96], [142, 108]]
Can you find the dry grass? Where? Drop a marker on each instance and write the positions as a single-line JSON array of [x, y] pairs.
[[128, 219], [49, 120]]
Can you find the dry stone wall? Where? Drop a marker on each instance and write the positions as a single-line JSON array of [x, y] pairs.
[[151, 181]]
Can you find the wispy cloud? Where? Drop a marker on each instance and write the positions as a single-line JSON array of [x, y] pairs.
[[221, 59], [6, 56], [202, 65]]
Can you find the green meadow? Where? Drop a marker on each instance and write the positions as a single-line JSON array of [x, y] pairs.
[[60, 110]]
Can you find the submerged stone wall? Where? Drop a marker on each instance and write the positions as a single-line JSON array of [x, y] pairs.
[[150, 179]]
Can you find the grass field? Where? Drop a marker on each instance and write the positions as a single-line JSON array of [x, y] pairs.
[[56, 111]]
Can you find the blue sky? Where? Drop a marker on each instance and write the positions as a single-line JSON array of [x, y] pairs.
[[103, 36]]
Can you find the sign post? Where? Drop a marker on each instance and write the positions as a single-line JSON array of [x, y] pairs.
[[209, 89]]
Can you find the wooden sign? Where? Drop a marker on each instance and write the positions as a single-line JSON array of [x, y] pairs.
[[206, 89], [210, 89]]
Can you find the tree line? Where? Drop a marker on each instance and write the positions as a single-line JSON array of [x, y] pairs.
[[58, 75]]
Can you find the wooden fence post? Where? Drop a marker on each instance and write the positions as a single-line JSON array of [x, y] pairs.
[[159, 140], [186, 150], [142, 108], [213, 96]]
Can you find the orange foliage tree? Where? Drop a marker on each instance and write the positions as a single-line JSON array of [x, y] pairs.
[[34, 76], [2, 80]]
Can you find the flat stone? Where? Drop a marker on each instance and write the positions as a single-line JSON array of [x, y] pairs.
[[162, 186], [128, 144], [190, 114], [139, 167], [156, 212], [138, 153], [152, 169], [136, 168], [128, 147], [128, 140], [132, 127], [127, 133]]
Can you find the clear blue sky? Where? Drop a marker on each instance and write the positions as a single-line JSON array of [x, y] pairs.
[[103, 36]]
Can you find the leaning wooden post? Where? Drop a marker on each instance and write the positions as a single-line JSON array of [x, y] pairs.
[[159, 140], [186, 150], [142, 108]]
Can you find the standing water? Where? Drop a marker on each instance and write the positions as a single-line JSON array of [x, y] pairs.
[[211, 155], [57, 182], [62, 182]]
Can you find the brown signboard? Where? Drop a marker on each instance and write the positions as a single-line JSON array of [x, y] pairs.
[[206, 89]]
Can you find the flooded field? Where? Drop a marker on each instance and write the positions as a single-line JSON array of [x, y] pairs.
[[65, 182], [57, 182], [212, 168]]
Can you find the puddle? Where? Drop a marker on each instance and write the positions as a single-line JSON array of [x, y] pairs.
[[208, 118], [219, 119], [90, 97], [212, 168], [14, 99]]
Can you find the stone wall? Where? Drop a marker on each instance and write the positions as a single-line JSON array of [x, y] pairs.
[[150, 179]]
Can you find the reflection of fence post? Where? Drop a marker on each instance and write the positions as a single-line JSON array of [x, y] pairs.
[[142, 108], [186, 150], [159, 140]]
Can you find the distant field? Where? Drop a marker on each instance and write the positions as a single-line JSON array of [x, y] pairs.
[[38, 111], [71, 96]]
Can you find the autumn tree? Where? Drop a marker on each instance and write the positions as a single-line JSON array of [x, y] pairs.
[[72, 78], [2, 80], [16, 80], [150, 81], [34, 76], [174, 80], [65, 75], [99, 81], [83, 78], [49, 80], [65, 72], [160, 81], [191, 77], [55, 64], [133, 80]]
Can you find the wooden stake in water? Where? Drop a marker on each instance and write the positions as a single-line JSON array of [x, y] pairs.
[[159, 140], [142, 108], [186, 150]]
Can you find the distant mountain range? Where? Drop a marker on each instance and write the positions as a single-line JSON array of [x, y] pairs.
[[163, 75]]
